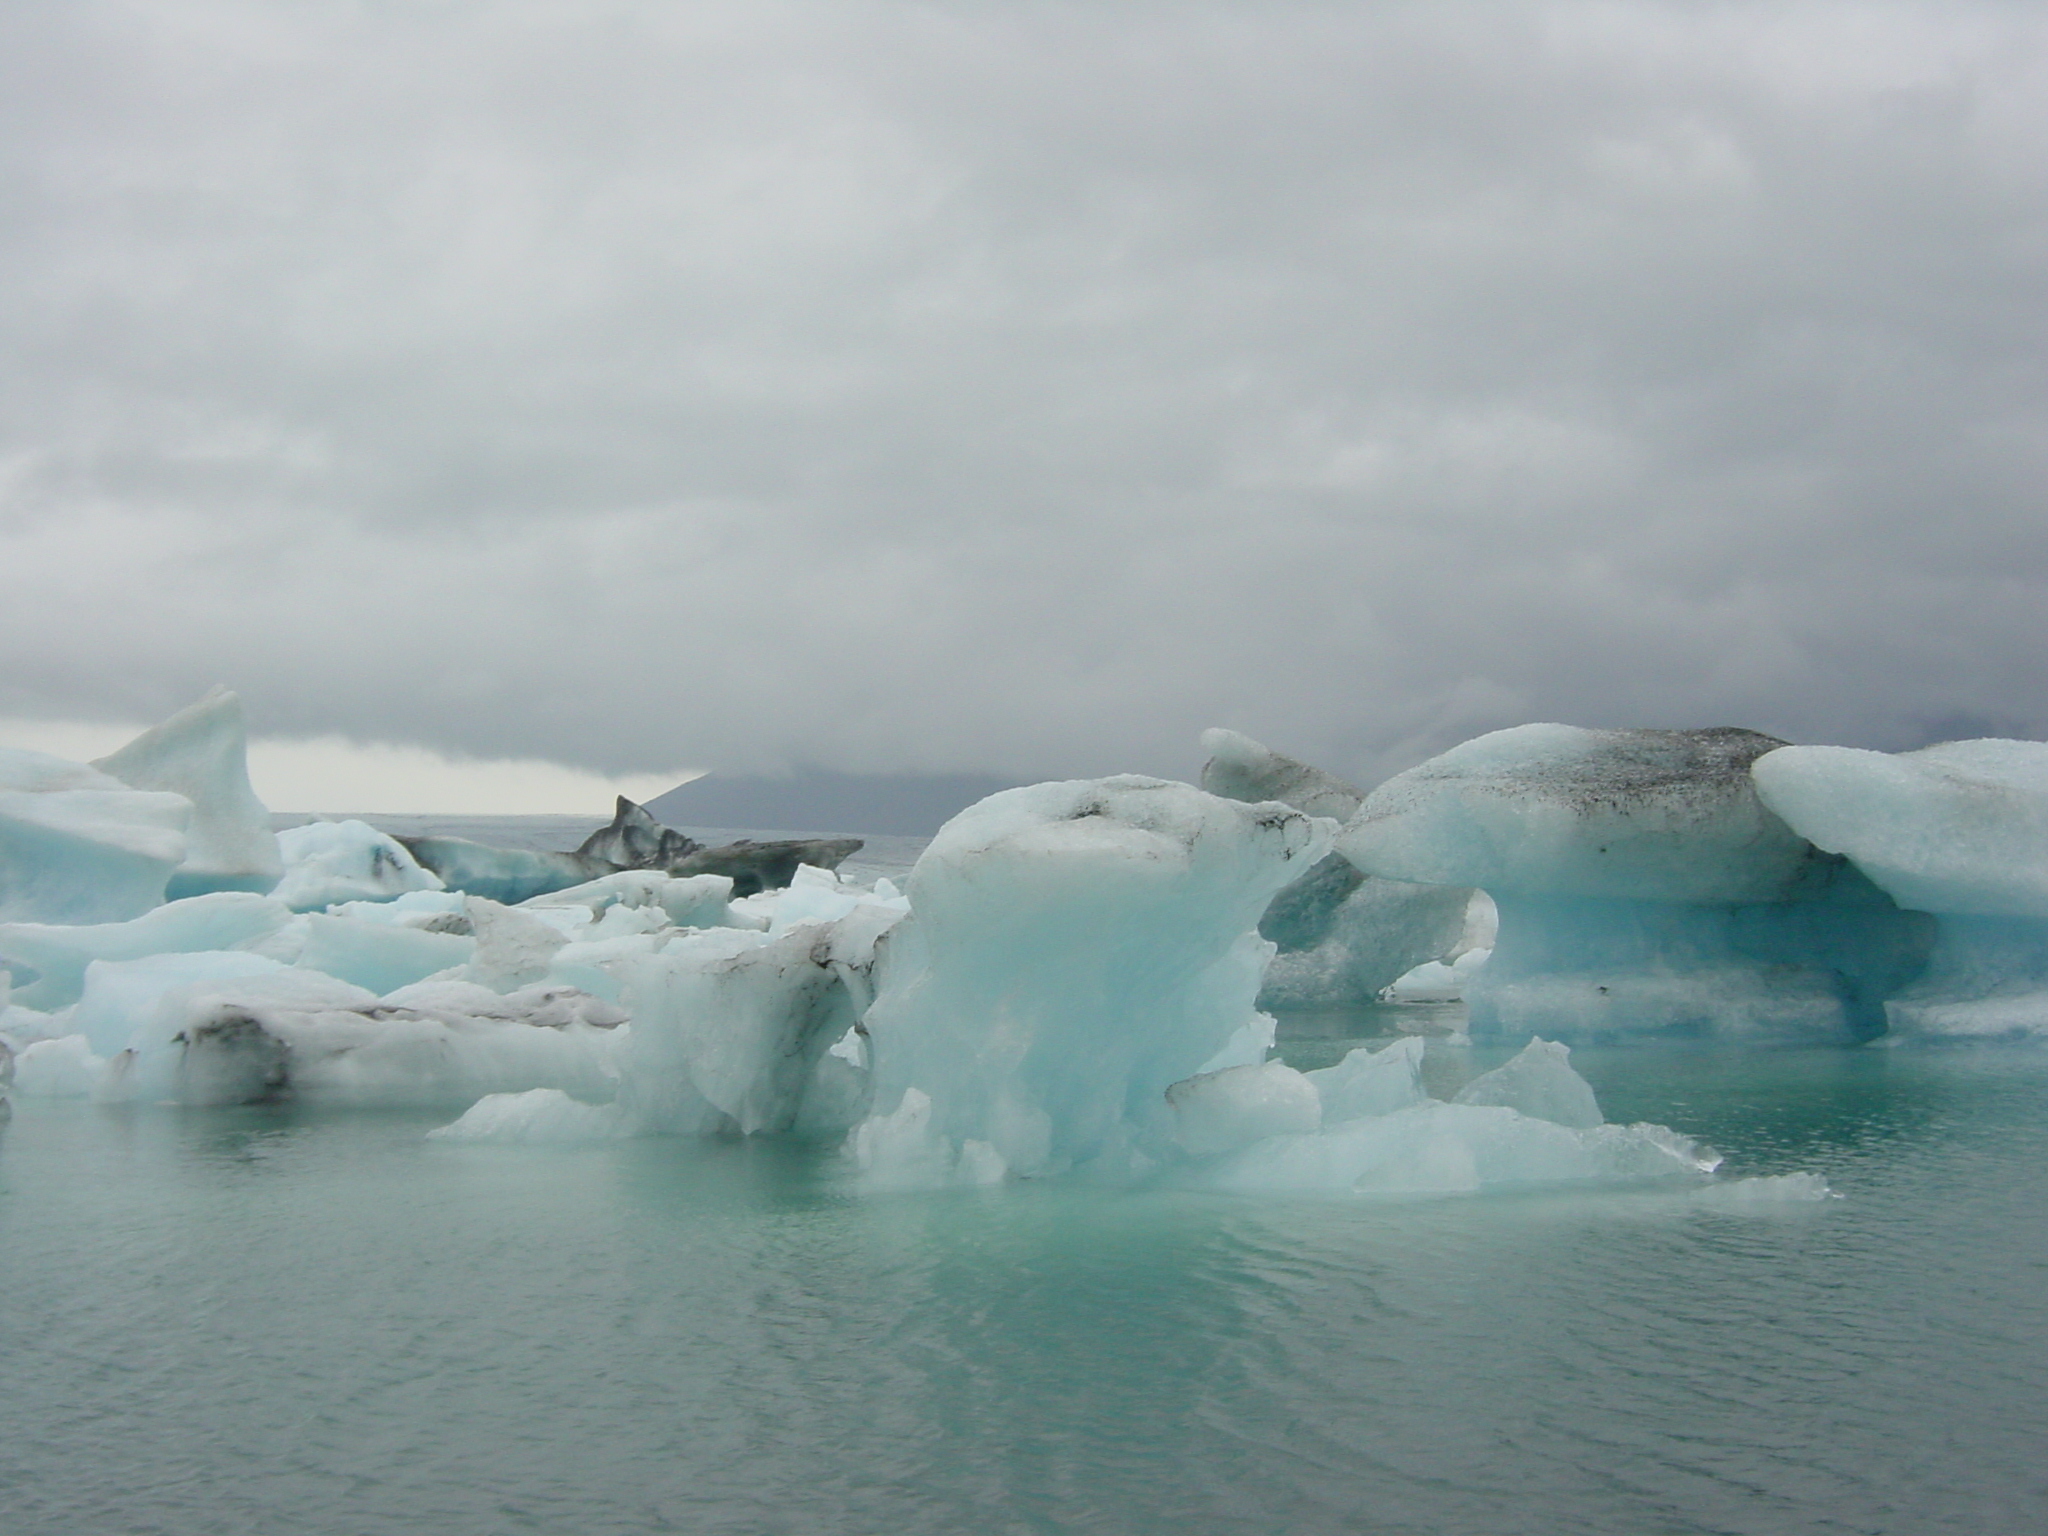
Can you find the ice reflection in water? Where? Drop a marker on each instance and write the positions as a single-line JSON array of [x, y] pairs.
[[261, 1321]]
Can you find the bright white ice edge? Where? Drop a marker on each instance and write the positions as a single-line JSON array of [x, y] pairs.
[[1070, 981]]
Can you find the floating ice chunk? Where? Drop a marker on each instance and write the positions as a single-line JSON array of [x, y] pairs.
[[59, 953], [510, 875], [538, 1117], [1558, 810], [300, 1034], [819, 896], [433, 911], [514, 948], [1434, 981], [79, 846], [201, 752], [1448, 1149], [738, 1021], [327, 862], [1540, 1083], [1960, 830], [379, 956], [63, 1068], [1222, 1111], [1371, 1082], [121, 1000], [700, 901], [1962, 827], [1077, 947], [903, 1150]]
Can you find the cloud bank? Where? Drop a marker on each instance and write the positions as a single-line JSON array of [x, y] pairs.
[[1023, 388]]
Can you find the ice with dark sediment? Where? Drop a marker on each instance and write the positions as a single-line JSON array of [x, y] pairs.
[[1341, 936], [633, 840], [1642, 887]]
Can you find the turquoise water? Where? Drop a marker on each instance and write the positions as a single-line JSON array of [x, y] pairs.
[[273, 1322]]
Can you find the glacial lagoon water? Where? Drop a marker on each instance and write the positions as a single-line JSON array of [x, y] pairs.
[[275, 1321], [266, 1321]]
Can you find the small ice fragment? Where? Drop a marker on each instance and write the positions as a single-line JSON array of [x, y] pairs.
[[1222, 1111], [1369, 1082], [538, 1117], [1540, 1084]]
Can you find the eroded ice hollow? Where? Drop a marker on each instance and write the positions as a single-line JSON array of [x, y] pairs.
[[1643, 887], [1959, 831]]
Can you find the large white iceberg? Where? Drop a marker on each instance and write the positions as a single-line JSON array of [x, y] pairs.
[[201, 752]]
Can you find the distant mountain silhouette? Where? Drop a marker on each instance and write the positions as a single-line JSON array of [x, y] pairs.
[[909, 804]]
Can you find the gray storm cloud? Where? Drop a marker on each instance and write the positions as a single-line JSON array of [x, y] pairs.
[[1023, 388]]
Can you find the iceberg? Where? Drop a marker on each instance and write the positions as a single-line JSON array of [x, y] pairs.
[[1074, 949], [329, 862], [1642, 887], [63, 1067], [633, 840], [1531, 1121], [380, 957], [1959, 831], [218, 1033], [538, 1117], [731, 1027], [201, 752], [1539, 1083], [1370, 1082], [1343, 936], [79, 846], [1453, 1149], [58, 953], [1222, 1111]]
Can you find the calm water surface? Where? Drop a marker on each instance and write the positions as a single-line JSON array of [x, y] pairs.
[[267, 1321], [274, 1322]]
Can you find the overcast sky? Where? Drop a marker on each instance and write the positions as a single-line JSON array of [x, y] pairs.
[[1023, 387]]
